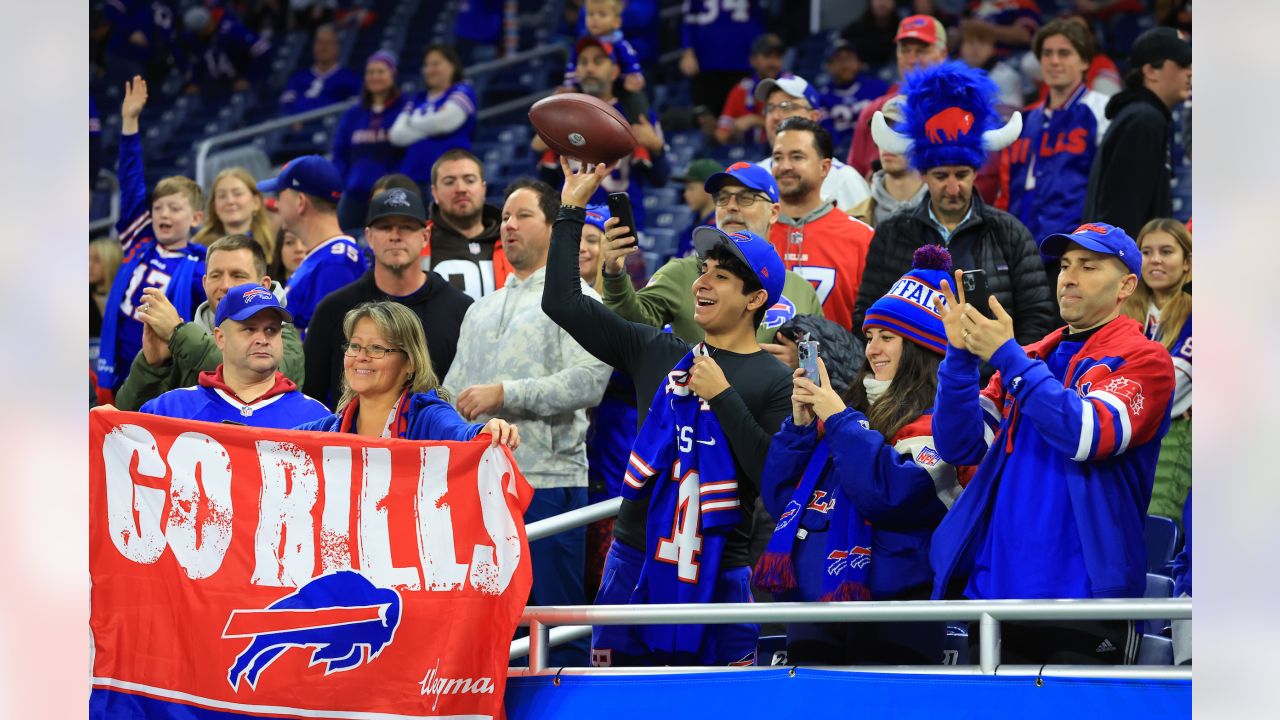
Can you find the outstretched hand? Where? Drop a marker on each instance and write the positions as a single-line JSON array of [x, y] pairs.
[[135, 98], [581, 185]]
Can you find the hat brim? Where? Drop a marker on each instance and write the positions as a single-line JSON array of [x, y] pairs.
[[247, 312], [706, 237], [374, 218], [1052, 247], [269, 185], [717, 180]]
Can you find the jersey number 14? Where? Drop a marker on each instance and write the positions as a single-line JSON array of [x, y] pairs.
[[684, 544]]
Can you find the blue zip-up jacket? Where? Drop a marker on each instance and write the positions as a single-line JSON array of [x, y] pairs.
[[1056, 151], [428, 418], [1098, 429], [903, 489], [361, 150]]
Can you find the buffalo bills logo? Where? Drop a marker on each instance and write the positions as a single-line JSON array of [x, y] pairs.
[[1090, 371], [257, 294], [1093, 227], [344, 617], [738, 166], [788, 514], [780, 313], [948, 125], [855, 557]]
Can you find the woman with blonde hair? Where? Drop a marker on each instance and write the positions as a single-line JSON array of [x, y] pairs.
[[105, 257], [389, 388], [236, 207], [1162, 305]]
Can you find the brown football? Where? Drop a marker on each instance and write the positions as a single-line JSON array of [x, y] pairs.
[[584, 127]]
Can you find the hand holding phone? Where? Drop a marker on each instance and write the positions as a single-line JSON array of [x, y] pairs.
[[620, 207], [974, 283], [807, 357]]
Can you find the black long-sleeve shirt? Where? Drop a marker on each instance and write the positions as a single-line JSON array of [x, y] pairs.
[[749, 412]]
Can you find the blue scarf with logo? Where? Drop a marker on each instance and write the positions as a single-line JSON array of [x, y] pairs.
[[846, 565], [682, 464]]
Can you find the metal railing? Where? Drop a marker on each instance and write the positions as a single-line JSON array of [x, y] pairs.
[[987, 613], [208, 144], [574, 518]]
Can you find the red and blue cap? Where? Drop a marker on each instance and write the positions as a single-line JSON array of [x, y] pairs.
[[244, 301], [597, 215], [751, 249], [907, 309], [1100, 238], [749, 174], [310, 174]]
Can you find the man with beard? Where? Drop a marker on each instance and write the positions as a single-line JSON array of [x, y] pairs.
[[597, 70], [815, 239], [465, 247], [396, 232]]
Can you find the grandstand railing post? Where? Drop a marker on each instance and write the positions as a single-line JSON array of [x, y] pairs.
[[539, 650], [989, 644]]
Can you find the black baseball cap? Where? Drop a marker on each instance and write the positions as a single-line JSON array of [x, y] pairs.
[[1156, 45], [396, 202]]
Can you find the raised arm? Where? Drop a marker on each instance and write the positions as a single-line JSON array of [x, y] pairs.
[[135, 215]]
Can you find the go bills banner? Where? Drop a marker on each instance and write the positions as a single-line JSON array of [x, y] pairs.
[[242, 572]]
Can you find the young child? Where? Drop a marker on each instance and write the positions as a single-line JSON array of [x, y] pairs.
[[848, 90], [604, 23], [157, 249]]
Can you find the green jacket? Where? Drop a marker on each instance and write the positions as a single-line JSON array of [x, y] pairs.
[[668, 298], [194, 352]]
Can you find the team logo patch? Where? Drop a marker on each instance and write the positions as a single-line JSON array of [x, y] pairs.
[[344, 617], [948, 125], [788, 513], [928, 457], [576, 139], [257, 294], [780, 313], [1128, 390], [855, 557], [397, 197]]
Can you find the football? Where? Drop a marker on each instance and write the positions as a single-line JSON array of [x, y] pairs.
[[577, 125]]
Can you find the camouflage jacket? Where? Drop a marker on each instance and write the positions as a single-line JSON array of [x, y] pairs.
[[548, 380]]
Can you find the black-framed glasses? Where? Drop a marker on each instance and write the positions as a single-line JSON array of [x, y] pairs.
[[786, 106], [351, 349], [745, 199]]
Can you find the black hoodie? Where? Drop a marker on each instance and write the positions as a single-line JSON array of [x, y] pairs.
[[455, 251], [1129, 180]]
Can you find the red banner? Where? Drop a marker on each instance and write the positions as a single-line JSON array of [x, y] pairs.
[[271, 573]]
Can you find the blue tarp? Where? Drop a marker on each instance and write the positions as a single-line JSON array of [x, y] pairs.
[[819, 693]]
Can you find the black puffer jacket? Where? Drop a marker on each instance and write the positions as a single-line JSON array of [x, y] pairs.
[[990, 239]]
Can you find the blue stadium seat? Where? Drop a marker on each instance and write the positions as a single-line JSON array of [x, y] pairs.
[[1155, 650], [1163, 541], [1158, 586], [956, 646], [771, 650]]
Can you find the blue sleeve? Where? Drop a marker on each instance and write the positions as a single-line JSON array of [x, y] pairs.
[[348, 83], [788, 455], [152, 406], [332, 275], [962, 427], [437, 420], [627, 57], [1122, 408], [888, 487], [135, 216], [328, 423], [292, 91]]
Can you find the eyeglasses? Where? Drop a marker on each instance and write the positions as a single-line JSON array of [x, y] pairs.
[[786, 106], [745, 199], [375, 352]]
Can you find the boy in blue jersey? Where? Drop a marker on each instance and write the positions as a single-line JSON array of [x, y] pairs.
[[157, 249], [1066, 437], [848, 90], [247, 387], [307, 193], [604, 24]]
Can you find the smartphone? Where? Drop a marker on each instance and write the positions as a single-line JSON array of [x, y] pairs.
[[620, 207], [807, 353], [976, 294]]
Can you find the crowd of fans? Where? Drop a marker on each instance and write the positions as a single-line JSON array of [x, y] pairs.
[[938, 448]]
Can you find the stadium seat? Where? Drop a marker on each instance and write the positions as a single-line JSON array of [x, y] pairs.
[[956, 647], [1163, 541], [771, 650], [1155, 650], [1158, 586]]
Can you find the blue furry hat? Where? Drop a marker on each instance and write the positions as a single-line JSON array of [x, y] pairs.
[[949, 118]]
